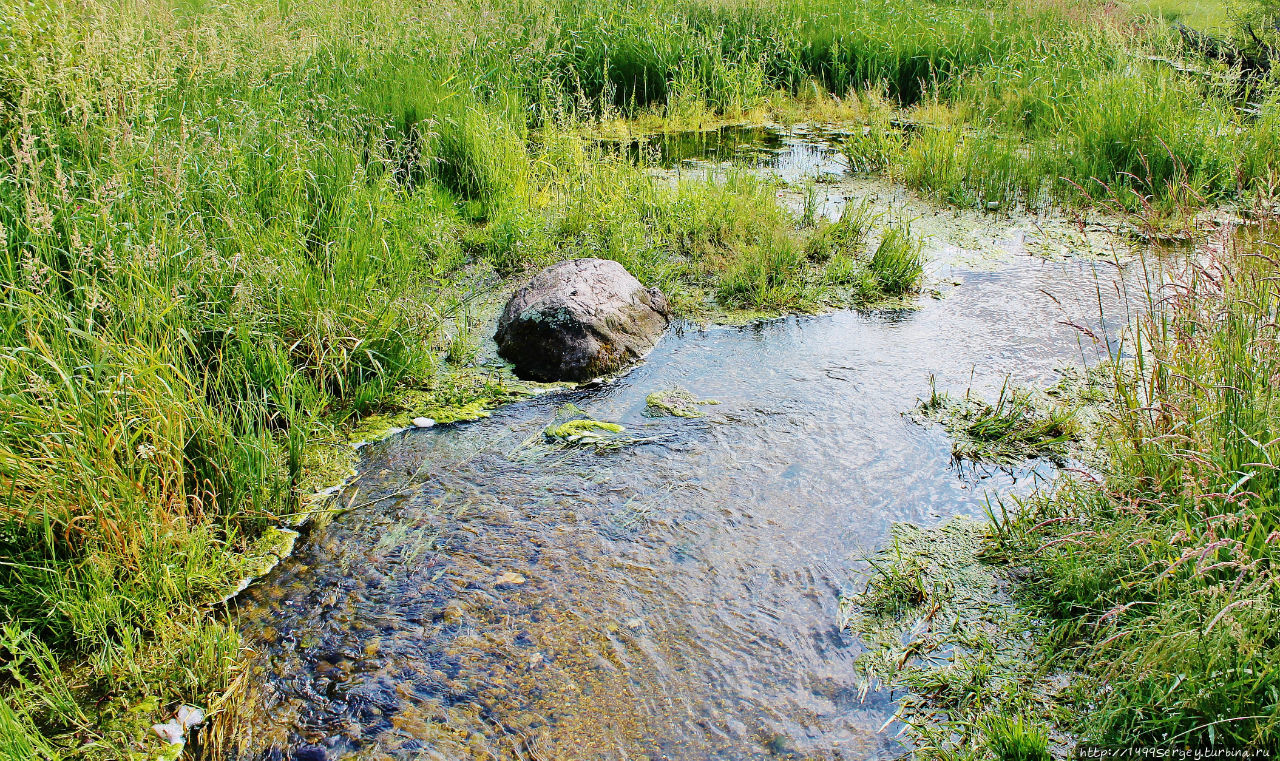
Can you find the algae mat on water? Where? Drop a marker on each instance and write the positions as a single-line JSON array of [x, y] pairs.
[[676, 402]]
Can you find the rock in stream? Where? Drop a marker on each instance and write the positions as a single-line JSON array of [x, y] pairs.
[[580, 319]]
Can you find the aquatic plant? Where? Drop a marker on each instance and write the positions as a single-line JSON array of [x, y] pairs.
[[944, 636], [771, 277], [844, 237], [877, 145], [897, 266], [1018, 426], [1015, 738], [573, 427], [898, 583], [583, 431]]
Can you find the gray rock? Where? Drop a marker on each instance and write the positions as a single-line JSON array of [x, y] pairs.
[[580, 319]]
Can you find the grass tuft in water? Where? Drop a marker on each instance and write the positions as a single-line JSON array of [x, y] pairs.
[[897, 267], [944, 635], [1020, 425], [1015, 738]]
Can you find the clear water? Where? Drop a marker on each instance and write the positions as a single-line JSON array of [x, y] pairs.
[[677, 599]]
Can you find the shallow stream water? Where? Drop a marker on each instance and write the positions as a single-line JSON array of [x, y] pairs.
[[489, 597]]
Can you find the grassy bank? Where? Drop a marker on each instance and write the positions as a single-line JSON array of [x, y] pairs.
[[1131, 607], [230, 232], [1204, 15], [1157, 583]]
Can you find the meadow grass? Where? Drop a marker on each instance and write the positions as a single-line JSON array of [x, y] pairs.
[[229, 232], [1204, 15]]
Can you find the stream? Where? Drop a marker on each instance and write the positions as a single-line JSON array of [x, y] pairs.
[[678, 598]]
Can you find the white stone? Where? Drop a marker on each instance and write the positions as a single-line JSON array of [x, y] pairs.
[[189, 716], [171, 732]]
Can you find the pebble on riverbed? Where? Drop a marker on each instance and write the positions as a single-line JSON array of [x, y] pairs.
[[453, 612], [509, 577]]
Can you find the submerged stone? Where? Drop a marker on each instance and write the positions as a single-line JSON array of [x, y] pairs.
[[453, 612], [578, 320], [510, 577]]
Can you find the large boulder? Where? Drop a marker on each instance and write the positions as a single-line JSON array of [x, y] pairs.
[[580, 319]]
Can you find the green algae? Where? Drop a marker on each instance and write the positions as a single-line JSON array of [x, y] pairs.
[[459, 413], [265, 553], [582, 431], [460, 395], [675, 402], [413, 404], [573, 427], [328, 460]]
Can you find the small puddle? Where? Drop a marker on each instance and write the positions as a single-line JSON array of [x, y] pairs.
[[676, 599], [790, 154]]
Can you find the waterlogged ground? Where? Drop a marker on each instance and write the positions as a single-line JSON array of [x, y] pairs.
[[490, 597]]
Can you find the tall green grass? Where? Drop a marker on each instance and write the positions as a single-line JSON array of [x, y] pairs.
[[1085, 118]]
